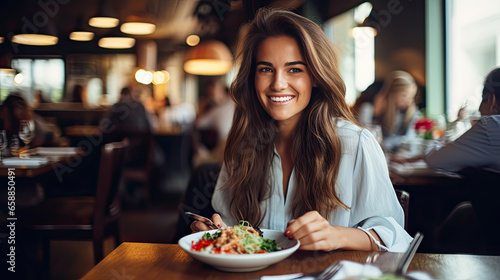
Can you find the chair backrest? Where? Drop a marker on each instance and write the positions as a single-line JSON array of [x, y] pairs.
[[198, 196], [110, 172], [140, 146], [404, 200], [483, 186]]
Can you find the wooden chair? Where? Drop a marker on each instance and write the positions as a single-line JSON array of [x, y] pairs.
[[138, 163], [83, 218], [198, 196], [479, 217]]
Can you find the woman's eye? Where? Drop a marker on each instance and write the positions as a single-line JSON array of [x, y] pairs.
[[295, 70], [265, 69]]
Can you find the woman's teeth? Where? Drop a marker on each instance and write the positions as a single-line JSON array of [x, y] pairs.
[[280, 99]]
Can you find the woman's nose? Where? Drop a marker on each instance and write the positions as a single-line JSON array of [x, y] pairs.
[[279, 83]]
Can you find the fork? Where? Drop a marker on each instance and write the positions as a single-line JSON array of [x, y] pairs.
[[329, 272]]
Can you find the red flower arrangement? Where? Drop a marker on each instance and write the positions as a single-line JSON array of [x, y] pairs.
[[423, 127]]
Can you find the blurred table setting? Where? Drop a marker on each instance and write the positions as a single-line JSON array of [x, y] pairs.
[[37, 161]]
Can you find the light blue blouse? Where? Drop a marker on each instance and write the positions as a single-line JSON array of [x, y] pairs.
[[363, 184]]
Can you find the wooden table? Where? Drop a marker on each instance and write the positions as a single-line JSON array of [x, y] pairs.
[[83, 130], [169, 261], [408, 175]]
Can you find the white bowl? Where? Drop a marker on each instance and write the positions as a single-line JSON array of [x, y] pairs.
[[244, 262]]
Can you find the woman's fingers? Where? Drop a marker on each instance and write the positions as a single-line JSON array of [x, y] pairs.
[[313, 231], [198, 226], [218, 220], [307, 218]]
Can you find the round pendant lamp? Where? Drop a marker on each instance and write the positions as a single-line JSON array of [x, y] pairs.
[[138, 25], [209, 58], [36, 35]]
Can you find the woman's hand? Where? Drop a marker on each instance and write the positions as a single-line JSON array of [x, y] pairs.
[[197, 226], [314, 232]]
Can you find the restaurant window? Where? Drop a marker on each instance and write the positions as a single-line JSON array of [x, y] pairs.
[[356, 49], [45, 75], [101, 77], [473, 47]]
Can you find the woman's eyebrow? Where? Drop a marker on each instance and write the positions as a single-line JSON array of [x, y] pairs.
[[264, 63], [294, 63], [286, 64]]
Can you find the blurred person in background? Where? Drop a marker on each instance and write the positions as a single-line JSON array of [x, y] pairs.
[[128, 117], [480, 145], [393, 108], [15, 109], [212, 124]]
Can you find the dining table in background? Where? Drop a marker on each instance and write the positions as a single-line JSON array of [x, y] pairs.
[[32, 171], [169, 261], [60, 173]]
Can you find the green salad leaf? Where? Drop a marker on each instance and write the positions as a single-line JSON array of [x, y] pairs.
[[208, 236]]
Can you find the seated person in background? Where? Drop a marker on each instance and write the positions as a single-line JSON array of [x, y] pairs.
[[480, 145], [393, 108], [180, 114], [212, 125], [15, 110], [128, 117]]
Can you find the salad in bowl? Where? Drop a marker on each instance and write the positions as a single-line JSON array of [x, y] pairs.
[[240, 248]]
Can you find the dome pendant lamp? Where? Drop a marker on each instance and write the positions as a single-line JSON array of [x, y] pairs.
[[209, 58]]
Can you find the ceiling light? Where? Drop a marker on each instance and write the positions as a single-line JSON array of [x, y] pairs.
[[193, 40], [144, 77], [116, 42], [138, 25], [103, 22], [105, 17], [35, 39], [18, 79], [208, 58], [81, 35], [160, 77], [41, 35], [138, 28]]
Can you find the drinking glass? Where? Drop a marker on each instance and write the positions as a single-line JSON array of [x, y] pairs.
[[26, 133], [14, 145], [3, 142]]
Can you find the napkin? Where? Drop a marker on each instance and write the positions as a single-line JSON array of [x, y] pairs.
[[350, 269], [32, 161], [55, 151]]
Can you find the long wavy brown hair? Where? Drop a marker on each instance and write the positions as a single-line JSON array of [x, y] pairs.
[[316, 146]]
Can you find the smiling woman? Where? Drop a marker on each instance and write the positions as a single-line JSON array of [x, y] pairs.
[[295, 160]]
